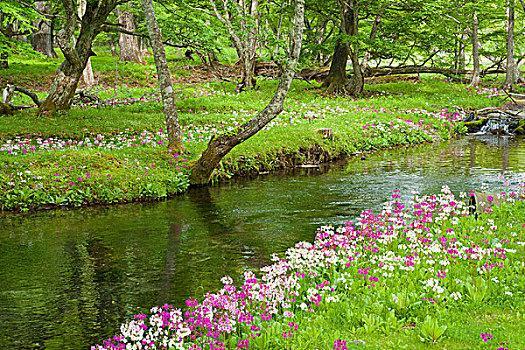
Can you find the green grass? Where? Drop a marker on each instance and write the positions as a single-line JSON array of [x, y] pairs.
[[211, 107], [367, 318]]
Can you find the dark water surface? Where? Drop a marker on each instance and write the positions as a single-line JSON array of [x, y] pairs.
[[69, 278]]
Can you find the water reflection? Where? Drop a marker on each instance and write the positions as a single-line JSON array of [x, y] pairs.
[[69, 278]]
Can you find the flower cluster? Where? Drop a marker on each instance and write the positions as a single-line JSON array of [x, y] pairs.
[[422, 238], [24, 145]]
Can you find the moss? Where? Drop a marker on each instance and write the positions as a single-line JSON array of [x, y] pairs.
[[520, 130], [475, 125]]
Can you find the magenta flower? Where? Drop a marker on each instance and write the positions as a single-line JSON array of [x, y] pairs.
[[340, 344], [243, 344], [486, 337]]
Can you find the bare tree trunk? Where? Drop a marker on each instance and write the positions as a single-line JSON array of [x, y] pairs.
[[42, 39], [475, 50], [129, 44], [220, 146], [88, 76], [63, 88], [112, 46], [164, 76], [243, 34], [512, 69]]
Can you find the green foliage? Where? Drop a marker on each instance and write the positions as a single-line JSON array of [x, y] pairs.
[[431, 330], [12, 12]]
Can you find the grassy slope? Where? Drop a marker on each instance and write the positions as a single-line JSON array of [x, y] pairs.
[[208, 107]]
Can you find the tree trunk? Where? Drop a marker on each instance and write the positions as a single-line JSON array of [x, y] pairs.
[[512, 69], [87, 76], [243, 34], [337, 80], [373, 34], [475, 50], [76, 50], [63, 88], [129, 44], [461, 53], [4, 60], [248, 80], [220, 146], [164, 76], [351, 20], [42, 39]]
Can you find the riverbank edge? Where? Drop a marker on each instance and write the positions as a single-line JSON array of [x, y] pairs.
[[239, 164], [323, 313]]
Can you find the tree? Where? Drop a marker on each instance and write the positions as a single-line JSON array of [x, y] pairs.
[[129, 45], [77, 50], [241, 19], [346, 46], [512, 75], [475, 49], [42, 39], [220, 146], [87, 75], [16, 20], [165, 85]]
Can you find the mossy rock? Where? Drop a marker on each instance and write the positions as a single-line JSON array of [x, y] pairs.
[[475, 125], [520, 130]]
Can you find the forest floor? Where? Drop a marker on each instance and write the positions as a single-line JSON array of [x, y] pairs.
[[114, 151]]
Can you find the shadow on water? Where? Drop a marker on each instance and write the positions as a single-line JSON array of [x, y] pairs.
[[69, 278]]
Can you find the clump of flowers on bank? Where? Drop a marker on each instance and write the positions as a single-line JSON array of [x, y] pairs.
[[423, 238]]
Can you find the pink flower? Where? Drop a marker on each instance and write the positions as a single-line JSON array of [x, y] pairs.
[[486, 337], [243, 344], [340, 344]]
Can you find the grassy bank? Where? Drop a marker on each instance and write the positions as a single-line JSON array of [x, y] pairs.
[[470, 305], [116, 153], [418, 275]]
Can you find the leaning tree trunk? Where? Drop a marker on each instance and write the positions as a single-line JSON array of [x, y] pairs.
[[220, 146], [512, 69], [475, 50], [42, 39], [164, 76], [128, 44]]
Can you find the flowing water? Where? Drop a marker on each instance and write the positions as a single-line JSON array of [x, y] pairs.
[[69, 278]]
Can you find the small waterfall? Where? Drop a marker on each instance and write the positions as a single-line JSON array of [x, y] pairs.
[[495, 126]]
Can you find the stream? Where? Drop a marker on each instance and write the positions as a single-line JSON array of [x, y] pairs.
[[69, 278]]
